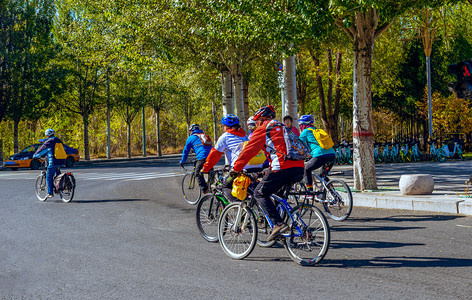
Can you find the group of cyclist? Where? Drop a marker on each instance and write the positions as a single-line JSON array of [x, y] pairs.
[[266, 134]]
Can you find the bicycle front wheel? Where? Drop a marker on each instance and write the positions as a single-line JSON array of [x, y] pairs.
[[41, 187], [68, 193], [208, 213], [237, 231], [190, 189], [263, 227], [338, 204], [309, 238]]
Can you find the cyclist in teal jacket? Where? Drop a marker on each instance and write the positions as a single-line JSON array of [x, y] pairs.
[[319, 156]]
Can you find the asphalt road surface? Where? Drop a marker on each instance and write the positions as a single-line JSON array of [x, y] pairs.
[[128, 234]]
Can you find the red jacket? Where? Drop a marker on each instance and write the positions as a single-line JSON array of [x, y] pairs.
[[268, 136]]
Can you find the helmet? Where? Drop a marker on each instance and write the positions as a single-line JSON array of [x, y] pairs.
[[250, 122], [49, 132], [194, 127], [266, 111], [230, 120], [306, 119]]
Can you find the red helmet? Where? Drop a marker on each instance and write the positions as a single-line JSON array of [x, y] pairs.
[[266, 111]]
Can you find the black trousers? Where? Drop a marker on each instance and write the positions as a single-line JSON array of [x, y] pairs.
[[271, 183], [315, 163], [199, 175]]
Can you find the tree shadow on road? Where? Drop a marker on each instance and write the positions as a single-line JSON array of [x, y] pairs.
[[407, 218], [398, 262], [369, 244], [109, 200]]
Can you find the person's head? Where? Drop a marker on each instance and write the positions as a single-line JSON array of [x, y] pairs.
[[49, 132], [288, 120], [305, 121], [263, 114], [251, 124], [193, 127], [230, 121]]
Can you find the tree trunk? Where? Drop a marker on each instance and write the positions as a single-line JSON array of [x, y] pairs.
[[363, 155], [247, 114], [108, 119], [128, 138], [290, 89], [238, 96], [333, 120], [215, 121], [86, 136], [15, 136], [321, 95], [158, 132], [226, 84], [1, 151]]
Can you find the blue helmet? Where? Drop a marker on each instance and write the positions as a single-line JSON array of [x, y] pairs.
[[230, 120], [306, 119], [49, 132], [194, 127]]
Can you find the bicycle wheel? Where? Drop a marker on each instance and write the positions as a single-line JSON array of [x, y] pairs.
[[263, 227], [68, 193], [208, 213], [190, 189], [237, 236], [338, 204], [298, 188], [41, 187], [309, 237], [441, 155]]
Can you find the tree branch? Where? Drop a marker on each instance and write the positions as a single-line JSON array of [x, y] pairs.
[[348, 31]]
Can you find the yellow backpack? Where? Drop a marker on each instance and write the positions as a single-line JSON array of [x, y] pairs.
[[323, 138], [240, 185], [259, 159], [59, 152]]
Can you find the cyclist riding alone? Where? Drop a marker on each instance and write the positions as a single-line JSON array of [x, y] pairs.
[[231, 142], [201, 144], [319, 155], [269, 136], [49, 149]]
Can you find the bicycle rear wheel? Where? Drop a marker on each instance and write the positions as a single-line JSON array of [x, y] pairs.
[[237, 236], [263, 227], [208, 213], [309, 237], [68, 193], [190, 189], [338, 204], [41, 187]]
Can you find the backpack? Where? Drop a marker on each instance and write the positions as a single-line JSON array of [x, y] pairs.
[[240, 185], [206, 140], [323, 138], [296, 149], [259, 159], [59, 152]]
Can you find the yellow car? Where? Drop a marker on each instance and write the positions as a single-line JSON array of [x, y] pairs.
[[24, 159]]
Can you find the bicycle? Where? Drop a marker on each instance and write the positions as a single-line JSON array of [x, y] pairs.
[[334, 194], [190, 190], [211, 205], [437, 154], [41, 188], [455, 151], [306, 242]]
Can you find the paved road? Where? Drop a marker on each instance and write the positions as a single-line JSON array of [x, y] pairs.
[[123, 238]]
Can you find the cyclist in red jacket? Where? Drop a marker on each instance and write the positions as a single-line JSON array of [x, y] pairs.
[[269, 136]]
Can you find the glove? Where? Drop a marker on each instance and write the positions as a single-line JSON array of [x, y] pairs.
[[182, 165]]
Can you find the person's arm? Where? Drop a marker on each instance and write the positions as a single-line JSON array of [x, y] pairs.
[[211, 160], [186, 151], [255, 144]]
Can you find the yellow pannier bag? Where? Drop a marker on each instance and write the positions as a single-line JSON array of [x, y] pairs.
[[240, 185], [59, 152]]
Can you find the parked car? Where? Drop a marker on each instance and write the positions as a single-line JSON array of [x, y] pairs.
[[24, 158]]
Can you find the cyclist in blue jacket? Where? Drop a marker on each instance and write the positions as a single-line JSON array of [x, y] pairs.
[[194, 141], [47, 148]]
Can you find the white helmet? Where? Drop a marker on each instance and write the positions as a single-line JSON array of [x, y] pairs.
[[49, 132]]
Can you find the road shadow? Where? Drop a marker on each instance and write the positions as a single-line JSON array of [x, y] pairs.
[[398, 262], [109, 200], [406, 218], [347, 228], [369, 244]]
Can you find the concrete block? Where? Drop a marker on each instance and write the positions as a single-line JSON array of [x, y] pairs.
[[465, 207], [416, 184]]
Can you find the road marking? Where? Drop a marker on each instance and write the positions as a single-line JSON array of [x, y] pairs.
[[96, 176], [464, 226]]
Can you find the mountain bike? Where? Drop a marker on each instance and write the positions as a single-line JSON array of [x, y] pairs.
[[334, 194], [41, 188], [306, 242], [456, 150], [437, 154], [211, 206], [190, 188]]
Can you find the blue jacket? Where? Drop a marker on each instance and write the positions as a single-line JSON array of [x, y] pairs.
[[315, 149], [194, 142], [47, 148]]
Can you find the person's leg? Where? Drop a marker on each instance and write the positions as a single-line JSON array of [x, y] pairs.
[[49, 178], [201, 180], [310, 166], [227, 187]]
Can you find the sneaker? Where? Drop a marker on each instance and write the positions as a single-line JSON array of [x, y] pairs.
[[276, 231], [49, 196]]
